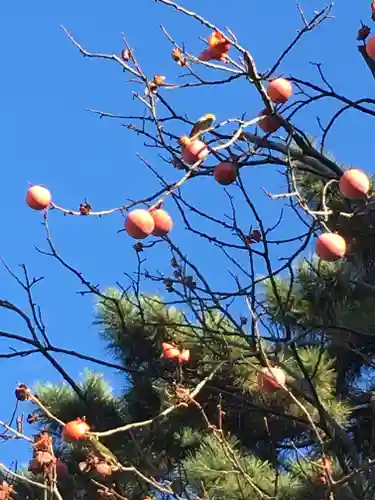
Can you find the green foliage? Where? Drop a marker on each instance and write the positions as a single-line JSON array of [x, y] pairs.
[[136, 340], [94, 400], [223, 472], [248, 455]]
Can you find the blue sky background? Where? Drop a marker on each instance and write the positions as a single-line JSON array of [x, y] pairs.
[[48, 137]]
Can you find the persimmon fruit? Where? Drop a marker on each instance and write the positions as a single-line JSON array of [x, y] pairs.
[[330, 247], [170, 351], [75, 430], [213, 54], [218, 48], [184, 356], [225, 173], [163, 222], [280, 90], [271, 379], [370, 47], [325, 468], [193, 150], [270, 123], [210, 55], [326, 464], [103, 469], [354, 184], [38, 197], [219, 42], [139, 224]]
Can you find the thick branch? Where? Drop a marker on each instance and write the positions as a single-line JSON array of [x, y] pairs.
[[323, 169], [368, 60]]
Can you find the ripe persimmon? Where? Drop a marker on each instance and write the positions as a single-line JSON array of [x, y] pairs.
[[184, 356], [103, 469], [330, 247], [354, 184], [270, 123], [139, 223], [212, 55], [218, 48], [326, 464], [226, 173], [75, 430], [193, 150], [219, 42], [170, 351], [279, 90], [370, 47], [270, 379], [163, 222], [38, 197], [324, 468]]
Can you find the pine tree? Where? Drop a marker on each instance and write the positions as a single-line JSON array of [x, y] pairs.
[[202, 414]]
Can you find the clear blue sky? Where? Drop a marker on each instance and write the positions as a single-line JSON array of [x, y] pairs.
[[48, 137]]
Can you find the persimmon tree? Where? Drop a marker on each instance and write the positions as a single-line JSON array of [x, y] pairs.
[[259, 389]]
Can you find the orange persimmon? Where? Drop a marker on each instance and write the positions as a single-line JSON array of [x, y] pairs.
[[354, 184], [279, 90], [38, 197], [330, 247], [139, 224], [163, 222]]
